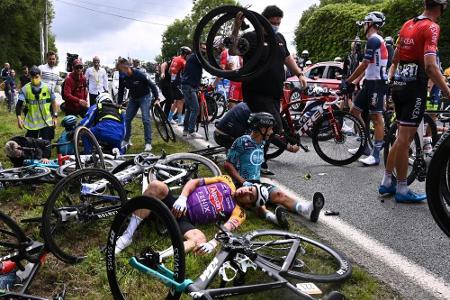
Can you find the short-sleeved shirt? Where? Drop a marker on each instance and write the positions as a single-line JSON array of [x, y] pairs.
[[234, 122], [176, 67], [192, 74], [377, 54], [269, 83], [418, 37], [231, 62], [247, 156], [212, 197]]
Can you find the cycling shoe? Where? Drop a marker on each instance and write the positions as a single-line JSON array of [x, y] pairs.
[[410, 197]]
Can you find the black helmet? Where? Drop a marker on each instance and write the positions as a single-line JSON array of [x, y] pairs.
[[260, 120], [185, 50], [431, 3], [35, 71]]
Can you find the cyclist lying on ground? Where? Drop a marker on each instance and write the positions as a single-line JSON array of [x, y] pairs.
[[234, 125], [201, 201], [20, 148], [244, 166], [107, 122]]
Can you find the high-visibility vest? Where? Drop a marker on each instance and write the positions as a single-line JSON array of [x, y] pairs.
[[108, 111], [39, 110]]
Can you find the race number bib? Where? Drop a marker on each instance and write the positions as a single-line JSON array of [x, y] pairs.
[[407, 72]]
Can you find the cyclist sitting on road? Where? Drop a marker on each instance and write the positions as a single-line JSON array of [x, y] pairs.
[[106, 121], [202, 201], [244, 166], [20, 148]]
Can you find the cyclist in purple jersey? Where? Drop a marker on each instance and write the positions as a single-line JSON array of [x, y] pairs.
[[202, 201]]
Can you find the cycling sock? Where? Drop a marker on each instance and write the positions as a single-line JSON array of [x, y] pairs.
[[387, 178], [402, 187], [377, 148], [170, 116], [134, 223], [302, 209], [270, 216]]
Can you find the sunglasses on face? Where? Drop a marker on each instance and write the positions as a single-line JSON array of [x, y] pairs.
[[78, 67]]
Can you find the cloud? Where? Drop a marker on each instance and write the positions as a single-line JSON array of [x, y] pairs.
[[89, 33]]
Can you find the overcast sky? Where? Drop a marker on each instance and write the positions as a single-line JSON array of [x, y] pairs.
[[80, 30]]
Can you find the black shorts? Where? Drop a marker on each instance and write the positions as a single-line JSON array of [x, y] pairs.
[[184, 222], [176, 92], [410, 102], [269, 104], [371, 97], [223, 139]]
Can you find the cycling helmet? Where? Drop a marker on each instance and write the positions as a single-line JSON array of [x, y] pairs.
[[260, 120], [308, 63], [103, 97], [389, 40], [218, 42], [69, 122], [431, 3], [185, 50], [305, 53], [338, 59], [262, 194], [34, 71], [376, 18]]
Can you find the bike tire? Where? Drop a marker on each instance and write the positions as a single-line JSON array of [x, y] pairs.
[[54, 228], [435, 186], [97, 154], [260, 237], [318, 139], [120, 220], [389, 141], [212, 108], [433, 128], [24, 174], [274, 151], [159, 117]]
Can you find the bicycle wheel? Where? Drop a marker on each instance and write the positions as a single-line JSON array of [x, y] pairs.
[[313, 261], [23, 174], [159, 117], [437, 186], [274, 151], [194, 165], [87, 144], [413, 149], [12, 238], [332, 144], [221, 104], [125, 279], [212, 108], [75, 217]]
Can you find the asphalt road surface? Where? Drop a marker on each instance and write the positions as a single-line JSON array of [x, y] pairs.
[[398, 243]]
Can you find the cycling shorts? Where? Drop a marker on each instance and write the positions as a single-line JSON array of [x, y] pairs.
[[269, 104], [410, 101], [223, 139], [235, 92], [184, 222], [176, 92], [371, 97]]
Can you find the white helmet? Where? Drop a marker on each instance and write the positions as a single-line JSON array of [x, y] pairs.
[[262, 194], [104, 97], [338, 59], [308, 63], [305, 52], [375, 17]]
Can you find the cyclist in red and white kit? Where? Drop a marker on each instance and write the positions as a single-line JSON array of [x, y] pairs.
[[232, 62], [413, 64]]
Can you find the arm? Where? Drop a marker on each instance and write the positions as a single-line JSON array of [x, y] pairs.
[[68, 91], [105, 81], [121, 89], [88, 119], [19, 106], [433, 72], [289, 61], [359, 71], [154, 89], [233, 172], [394, 65], [236, 219], [234, 34], [44, 145], [54, 109], [163, 70]]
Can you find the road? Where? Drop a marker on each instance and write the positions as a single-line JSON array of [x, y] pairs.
[[398, 243]]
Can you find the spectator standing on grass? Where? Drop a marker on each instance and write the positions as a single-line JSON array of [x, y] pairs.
[[190, 81], [25, 78], [41, 116], [75, 91], [164, 85], [10, 89], [50, 72], [140, 89], [5, 71], [97, 80]]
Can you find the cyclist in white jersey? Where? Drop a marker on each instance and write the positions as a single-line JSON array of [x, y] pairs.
[[372, 96]]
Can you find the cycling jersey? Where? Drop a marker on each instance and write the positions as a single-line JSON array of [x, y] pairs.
[[211, 197], [176, 67], [230, 62], [247, 156], [377, 55]]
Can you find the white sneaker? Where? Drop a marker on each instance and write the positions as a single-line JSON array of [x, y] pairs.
[[195, 135], [148, 148], [369, 161], [127, 143], [185, 133], [121, 244], [173, 122]]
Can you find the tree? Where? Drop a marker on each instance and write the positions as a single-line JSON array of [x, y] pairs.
[[20, 31]]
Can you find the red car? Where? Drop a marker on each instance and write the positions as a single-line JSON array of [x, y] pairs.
[[326, 75]]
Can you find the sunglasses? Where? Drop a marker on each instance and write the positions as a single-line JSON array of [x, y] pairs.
[[78, 67]]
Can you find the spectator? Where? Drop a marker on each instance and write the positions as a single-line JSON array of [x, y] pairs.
[[25, 78], [50, 72], [5, 71], [10, 89], [75, 91], [41, 116], [190, 81], [164, 85], [20, 148], [140, 88], [97, 80]]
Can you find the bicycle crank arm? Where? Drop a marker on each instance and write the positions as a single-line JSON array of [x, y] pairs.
[[304, 147]]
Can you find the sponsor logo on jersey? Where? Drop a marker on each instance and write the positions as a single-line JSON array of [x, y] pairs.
[[215, 197]]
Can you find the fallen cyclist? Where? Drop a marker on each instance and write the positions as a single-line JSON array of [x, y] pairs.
[[244, 165], [202, 201], [21, 148]]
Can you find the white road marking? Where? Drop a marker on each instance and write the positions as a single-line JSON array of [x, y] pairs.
[[419, 275]]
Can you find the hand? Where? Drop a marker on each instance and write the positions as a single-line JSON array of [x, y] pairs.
[[20, 123], [303, 81], [206, 248], [179, 207], [45, 161], [163, 76], [55, 121], [239, 19], [293, 148], [83, 103]]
